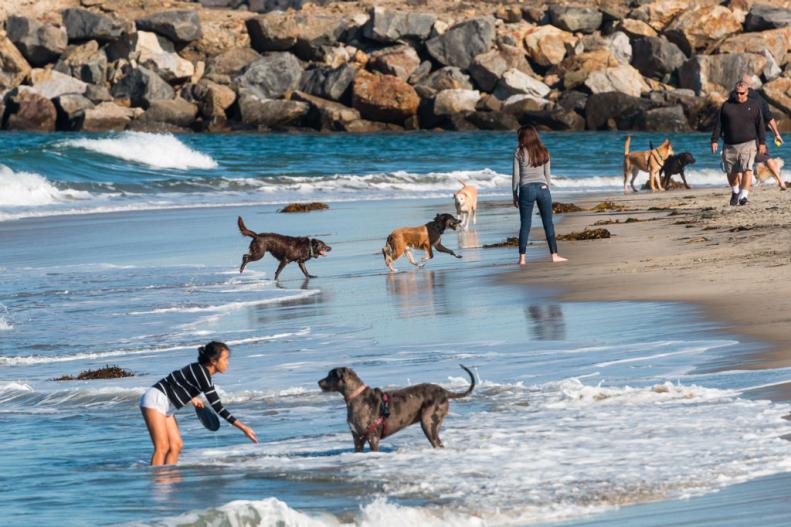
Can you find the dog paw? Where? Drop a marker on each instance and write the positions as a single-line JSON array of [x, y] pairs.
[[457, 255]]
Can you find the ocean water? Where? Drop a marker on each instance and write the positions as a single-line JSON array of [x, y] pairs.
[[123, 249]]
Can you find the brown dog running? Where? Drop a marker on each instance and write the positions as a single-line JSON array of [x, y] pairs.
[[284, 248], [423, 237], [373, 414], [650, 161]]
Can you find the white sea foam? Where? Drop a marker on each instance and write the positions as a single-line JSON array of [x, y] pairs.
[[156, 150], [28, 189], [520, 454], [231, 306], [5, 325]]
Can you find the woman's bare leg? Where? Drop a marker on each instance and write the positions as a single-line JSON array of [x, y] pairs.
[[174, 441], [158, 430]]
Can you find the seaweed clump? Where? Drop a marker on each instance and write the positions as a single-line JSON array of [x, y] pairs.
[[304, 207], [511, 241], [587, 234], [108, 372]]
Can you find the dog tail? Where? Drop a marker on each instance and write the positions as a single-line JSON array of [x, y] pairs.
[[455, 395], [626, 145], [243, 229], [463, 184]]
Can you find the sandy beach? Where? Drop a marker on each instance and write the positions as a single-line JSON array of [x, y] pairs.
[[688, 246]]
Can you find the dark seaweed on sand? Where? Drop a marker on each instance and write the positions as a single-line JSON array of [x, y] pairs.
[[108, 372], [587, 234], [512, 241], [304, 207]]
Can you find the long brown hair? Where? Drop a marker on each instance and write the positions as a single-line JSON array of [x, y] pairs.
[[530, 144]]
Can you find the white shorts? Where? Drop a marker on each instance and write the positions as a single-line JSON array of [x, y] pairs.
[[156, 400]]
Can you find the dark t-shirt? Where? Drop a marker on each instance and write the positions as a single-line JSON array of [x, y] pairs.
[[740, 122]]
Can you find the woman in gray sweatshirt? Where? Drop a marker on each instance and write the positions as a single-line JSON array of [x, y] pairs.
[[530, 183]]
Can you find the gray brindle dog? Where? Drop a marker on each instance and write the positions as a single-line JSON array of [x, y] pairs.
[[373, 414]]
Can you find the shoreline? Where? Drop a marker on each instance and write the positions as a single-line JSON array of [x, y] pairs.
[[692, 247]]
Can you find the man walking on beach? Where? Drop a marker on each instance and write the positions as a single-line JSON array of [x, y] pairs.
[[769, 120], [741, 124]]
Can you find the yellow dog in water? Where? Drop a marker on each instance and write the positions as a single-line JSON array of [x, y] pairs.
[[650, 161]]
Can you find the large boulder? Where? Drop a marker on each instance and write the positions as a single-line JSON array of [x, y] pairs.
[[86, 62], [514, 82], [487, 68], [447, 78], [82, 25], [575, 19], [387, 25], [231, 62], [656, 57], [762, 17], [106, 117], [272, 75], [142, 86], [520, 104], [578, 68], [699, 28], [660, 13], [383, 97], [70, 109], [39, 43], [636, 28], [776, 41], [327, 115], [30, 111], [307, 36], [213, 99], [51, 83], [159, 55], [269, 113], [548, 45], [623, 79], [448, 102], [614, 111], [13, 66], [706, 74], [778, 92], [328, 83], [400, 61], [668, 119], [462, 42], [174, 112], [181, 27], [573, 100], [553, 119]]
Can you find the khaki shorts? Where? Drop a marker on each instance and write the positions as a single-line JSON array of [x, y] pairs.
[[739, 157]]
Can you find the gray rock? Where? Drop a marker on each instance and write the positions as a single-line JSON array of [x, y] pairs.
[[762, 17], [448, 102], [493, 120], [231, 62], [420, 73], [175, 112], [213, 99], [668, 119], [265, 6], [272, 75], [307, 36], [70, 109], [487, 68], [270, 113], [447, 78], [82, 25], [573, 100], [27, 110], [52, 84], [13, 66], [724, 69], [515, 82], [105, 117], [39, 43], [614, 110], [85, 62], [400, 61], [142, 86], [656, 57], [328, 83], [386, 25], [462, 42], [97, 94], [327, 115], [181, 27], [554, 119], [575, 19], [620, 46]]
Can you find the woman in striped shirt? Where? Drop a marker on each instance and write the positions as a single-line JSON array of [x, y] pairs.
[[160, 402]]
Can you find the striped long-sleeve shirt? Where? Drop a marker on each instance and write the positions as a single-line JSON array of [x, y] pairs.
[[184, 384]]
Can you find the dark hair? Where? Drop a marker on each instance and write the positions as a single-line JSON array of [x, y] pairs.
[[530, 144], [211, 352]]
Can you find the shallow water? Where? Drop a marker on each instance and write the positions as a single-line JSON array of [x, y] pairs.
[[581, 407]]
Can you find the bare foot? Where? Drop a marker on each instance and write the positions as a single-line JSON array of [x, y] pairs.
[[522, 260], [557, 258]]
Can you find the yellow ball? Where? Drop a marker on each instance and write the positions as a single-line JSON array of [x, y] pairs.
[[778, 142]]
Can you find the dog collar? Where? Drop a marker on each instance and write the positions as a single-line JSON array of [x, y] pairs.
[[356, 392], [310, 247]]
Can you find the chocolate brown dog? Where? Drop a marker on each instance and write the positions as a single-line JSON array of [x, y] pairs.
[[373, 414], [285, 248]]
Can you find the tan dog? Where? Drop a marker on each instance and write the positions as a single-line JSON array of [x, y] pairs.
[[650, 161], [762, 172], [466, 201], [423, 237]]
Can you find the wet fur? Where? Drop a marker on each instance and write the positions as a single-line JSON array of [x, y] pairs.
[[426, 404], [675, 164], [650, 161], [423, 237], [466, 201], [285, 249]]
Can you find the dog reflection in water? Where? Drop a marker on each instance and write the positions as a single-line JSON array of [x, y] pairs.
[[469, 240], [547, 321], [414, 293]]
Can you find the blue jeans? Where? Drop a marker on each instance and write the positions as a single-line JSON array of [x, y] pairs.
[[538, 193]]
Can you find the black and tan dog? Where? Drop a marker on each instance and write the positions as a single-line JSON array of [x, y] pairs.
[[675, 164], [423, 237], [650, 161], [284, 248], [373, 414]]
